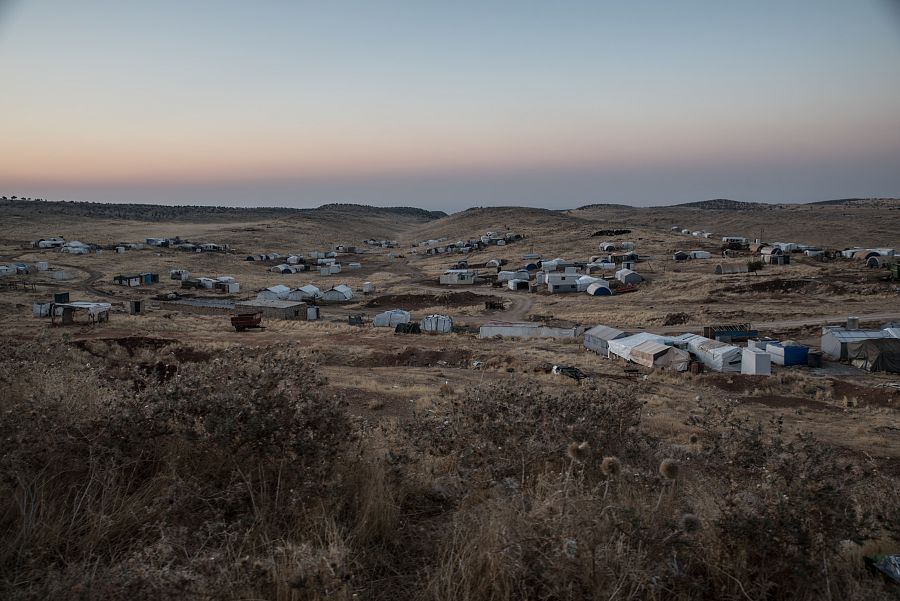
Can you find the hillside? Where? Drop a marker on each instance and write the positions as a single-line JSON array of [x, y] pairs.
[[722, 204], [198, 213]]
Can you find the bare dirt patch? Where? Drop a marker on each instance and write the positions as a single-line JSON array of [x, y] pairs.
[[790, 402], [418, 301]]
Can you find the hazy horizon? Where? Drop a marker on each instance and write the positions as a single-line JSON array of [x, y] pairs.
[[445, 107]]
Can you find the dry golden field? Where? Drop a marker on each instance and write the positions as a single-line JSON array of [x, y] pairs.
[[168, 456]]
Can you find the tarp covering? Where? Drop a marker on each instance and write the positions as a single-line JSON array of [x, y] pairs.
[[436, 323], [653, 354], [93, 309], [715, 355], [597, 338], [622, 347], [881, 354], [390, 319]]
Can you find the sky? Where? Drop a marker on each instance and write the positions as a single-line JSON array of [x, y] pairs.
[[448, 105]]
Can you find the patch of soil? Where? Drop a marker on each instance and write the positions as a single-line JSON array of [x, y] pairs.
[[129, 343], [790, 402], [866, 396], [191, 355], [419, 301], [372, 404], [676, 319]]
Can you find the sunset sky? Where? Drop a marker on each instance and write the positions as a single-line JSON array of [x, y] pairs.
[[447, 105]]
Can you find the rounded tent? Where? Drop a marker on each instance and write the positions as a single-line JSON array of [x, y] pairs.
[[437, 324], [390, 319], [598, 289]]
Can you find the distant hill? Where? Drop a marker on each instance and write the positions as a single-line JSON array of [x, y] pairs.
[[408, 211], [151, 212], [604, 206], [723, 204], [859, 201]]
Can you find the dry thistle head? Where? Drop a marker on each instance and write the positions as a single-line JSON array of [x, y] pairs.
[[694, 439], [668, 469], [690, 523], [579, 452], [611, 466]]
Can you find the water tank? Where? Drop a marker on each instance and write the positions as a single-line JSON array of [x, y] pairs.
[[852, 323]]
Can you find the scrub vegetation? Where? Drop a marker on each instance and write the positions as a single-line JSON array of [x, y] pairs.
[[243, 474]]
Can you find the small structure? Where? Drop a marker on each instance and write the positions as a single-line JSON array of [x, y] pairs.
[[127, 280], [277, 292], [136, 307], [273, 308], [338, 294], [458, 277], [726, 268], [881, 354], [787, 353], [562, 282], [390, 319], [597, 338], [755, 362], [654, 354], [368, 288], [436, 324], [627, 276], [836, 341], [65, 312], [527, 329], [518, 284], [717, 356], [305, 293], [739, 332], [600, 288]]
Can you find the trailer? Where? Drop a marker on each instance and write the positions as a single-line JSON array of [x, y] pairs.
[[247, 321]]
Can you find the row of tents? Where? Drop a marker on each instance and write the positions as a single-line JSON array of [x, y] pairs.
[[435, 324]]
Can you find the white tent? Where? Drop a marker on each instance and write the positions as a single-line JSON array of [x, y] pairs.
[[338, 294], [439, 324], [715, 355], [307, 292], [627, 276], [390, 319], [277, 292], [655, 354], [585, 281], [622, 347]]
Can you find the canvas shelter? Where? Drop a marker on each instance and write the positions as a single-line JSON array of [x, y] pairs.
[[339, 294], [622, 346], [436, 324], [654, 354], [277, 292], [597, 338], [600, 288], [627, 276], [882, 354], [390, 319], [835, 340], [717, 356]]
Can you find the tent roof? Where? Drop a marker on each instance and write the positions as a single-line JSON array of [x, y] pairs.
[[845, 335], [604, 332]]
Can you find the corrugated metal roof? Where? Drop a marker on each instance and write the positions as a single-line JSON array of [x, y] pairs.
[[845, 335]]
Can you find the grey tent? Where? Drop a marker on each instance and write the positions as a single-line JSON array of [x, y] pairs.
[[597, 338], [879, 354]]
